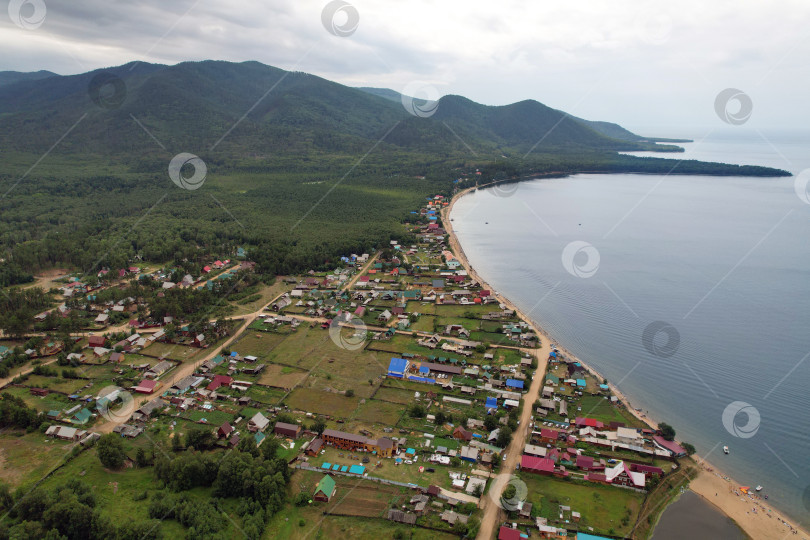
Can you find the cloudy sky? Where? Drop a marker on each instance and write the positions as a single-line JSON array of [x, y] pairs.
[[651, 65]]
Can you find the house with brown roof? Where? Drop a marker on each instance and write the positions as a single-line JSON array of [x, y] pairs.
[[462, 434], [314, 447], [224, 430], [293, 431]]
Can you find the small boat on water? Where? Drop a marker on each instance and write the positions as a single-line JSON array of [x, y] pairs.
[[725, 449], [758, 488]]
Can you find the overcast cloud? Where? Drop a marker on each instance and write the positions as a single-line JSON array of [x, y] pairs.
[[652, 66]]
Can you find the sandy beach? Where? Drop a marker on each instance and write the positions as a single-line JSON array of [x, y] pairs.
[[758, 519]]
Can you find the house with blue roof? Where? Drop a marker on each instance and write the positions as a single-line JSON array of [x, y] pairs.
[[397, 367], [581, 383], [492, 403], [514, 383]]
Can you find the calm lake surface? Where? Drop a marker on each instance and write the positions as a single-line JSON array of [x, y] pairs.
[[723, 262], [691, 517]]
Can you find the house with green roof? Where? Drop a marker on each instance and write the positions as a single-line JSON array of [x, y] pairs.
[[259, 438], [81, 417], [325, 489]]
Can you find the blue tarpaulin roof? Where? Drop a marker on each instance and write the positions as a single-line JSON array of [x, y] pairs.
[[357, 469], [514, 383], [586, 536], [581, 382], [326, 466], [492, 403], [423, 370], [422, 379]]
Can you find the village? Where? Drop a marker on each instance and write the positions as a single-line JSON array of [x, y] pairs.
[[398, 387]]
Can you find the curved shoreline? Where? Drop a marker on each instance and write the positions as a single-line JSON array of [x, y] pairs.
[[757, 525]]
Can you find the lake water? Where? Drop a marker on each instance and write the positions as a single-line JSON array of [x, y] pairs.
[[716, 269], [691, 517]]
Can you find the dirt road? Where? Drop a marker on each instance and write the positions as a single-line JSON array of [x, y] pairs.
[[493, 515]]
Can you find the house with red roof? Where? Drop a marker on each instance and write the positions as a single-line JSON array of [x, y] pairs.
[[589, 422], [146, 386], [596, 477], [218, 381], [536, 465], [508, 533], [96, 341], [549, 435], [674, 448], [621, 475], [646, 469]]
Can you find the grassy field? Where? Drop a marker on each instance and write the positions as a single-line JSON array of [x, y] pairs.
[[379, 412], [172, 352], [395, 395], [310, 521], [259, 344], [26, 458], [264, 395], [282, 376], [214, 418], [139, 359], [43, 404], [605, 508], [601, 409], [424, 323], [320, 402], [56, 384], [266, 294], [115, 491]]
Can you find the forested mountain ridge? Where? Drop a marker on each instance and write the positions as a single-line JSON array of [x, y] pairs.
[[193, 104], [299, 170]]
